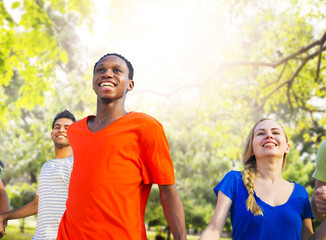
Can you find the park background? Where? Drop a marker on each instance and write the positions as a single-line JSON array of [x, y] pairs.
[[206, 69]]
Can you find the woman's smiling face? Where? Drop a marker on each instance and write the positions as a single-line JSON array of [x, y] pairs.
[[269, 140]]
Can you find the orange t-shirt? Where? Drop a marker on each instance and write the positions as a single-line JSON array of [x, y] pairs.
[[112, 176]]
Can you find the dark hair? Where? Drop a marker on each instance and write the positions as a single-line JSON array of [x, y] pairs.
[[64, 114], [130, 68], [2, 166]]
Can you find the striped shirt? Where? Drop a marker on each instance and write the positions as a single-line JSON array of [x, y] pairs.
[[52, 192]]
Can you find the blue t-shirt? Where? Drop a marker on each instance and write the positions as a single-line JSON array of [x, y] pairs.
[[279, 222]]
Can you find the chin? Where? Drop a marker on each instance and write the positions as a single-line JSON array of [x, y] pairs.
[[62, 145]]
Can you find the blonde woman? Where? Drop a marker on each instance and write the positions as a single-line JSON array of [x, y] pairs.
[[262, 204]]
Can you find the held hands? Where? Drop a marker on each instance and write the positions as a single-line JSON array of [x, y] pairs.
[[320, 199], [3, 225]]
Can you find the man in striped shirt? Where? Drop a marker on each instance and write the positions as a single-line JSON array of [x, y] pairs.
[[51, 195]]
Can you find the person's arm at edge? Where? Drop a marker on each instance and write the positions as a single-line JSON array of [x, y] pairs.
[[216, 225], [24, 211], [173, 211], [318, 203], [4, 200], [4, 204], [307, 231]]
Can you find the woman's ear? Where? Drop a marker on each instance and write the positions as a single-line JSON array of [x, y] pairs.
[[287, 149]]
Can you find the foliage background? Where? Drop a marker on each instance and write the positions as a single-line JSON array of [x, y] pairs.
[[206, 69]]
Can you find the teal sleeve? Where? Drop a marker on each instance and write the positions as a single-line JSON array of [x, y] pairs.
[[320, 171]]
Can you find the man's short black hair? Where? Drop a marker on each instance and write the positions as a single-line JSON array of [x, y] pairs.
[[130, 68], [64, 114]]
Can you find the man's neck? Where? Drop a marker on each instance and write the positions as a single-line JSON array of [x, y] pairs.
[[108, 113], [62, 152]]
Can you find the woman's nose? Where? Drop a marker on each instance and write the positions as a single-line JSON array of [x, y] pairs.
[[269, 134]]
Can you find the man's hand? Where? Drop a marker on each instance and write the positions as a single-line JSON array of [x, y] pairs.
[[320, 199], [3, 225]]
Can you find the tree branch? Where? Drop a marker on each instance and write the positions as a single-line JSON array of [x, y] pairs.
[[288, 95], [278, 78], [262, 104], [285, 59], [322, 41]]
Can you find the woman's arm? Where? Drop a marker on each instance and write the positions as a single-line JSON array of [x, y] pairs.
[[216, 225], [307, 232]]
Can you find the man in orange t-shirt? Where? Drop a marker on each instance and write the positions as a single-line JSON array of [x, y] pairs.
[[117, 157]]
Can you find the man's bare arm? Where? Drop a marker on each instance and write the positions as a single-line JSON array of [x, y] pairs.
[[173, 211]]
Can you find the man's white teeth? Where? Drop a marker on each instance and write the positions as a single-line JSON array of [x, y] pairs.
[[106, 84], [269, 144]]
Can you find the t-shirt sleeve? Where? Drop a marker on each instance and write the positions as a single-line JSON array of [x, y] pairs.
[[320, 171], [157, 164], [307, 212], [228, 185]]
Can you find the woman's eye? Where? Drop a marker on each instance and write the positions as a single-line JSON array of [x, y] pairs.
[[261, 133], [277, 133]]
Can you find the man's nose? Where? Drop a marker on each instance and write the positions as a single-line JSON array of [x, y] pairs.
[[108, 73]]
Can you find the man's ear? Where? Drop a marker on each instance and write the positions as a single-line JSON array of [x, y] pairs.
[[130, 85]]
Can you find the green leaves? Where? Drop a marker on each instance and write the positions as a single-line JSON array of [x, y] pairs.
[[63, 57], [31, 51], [15, 5]]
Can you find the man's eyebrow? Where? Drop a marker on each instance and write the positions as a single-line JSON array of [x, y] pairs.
[[115, 65], [99, 65], [57, 124]]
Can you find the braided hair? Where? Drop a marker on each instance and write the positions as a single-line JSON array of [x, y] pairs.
[[250, 170]]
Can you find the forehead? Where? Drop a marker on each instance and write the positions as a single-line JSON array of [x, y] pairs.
[[268, 124], [63, 121], [112, 59]]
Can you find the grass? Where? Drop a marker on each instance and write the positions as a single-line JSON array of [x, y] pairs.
[[13, 231], [151, 236]]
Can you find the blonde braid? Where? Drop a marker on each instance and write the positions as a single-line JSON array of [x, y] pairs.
[[248, 177]]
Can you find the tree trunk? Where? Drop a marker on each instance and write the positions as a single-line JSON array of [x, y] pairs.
[[22, 225], [33, 178]]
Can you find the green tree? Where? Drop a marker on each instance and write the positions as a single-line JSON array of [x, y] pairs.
[[20, 196], [278, 73], [34, 42], [38, 42]]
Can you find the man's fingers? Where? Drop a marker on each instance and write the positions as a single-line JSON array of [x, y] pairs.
[[321, 190], [2, 233], [321, 207]]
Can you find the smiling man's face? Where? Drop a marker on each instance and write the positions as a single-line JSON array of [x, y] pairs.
[[111, 78], [59, 132]]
